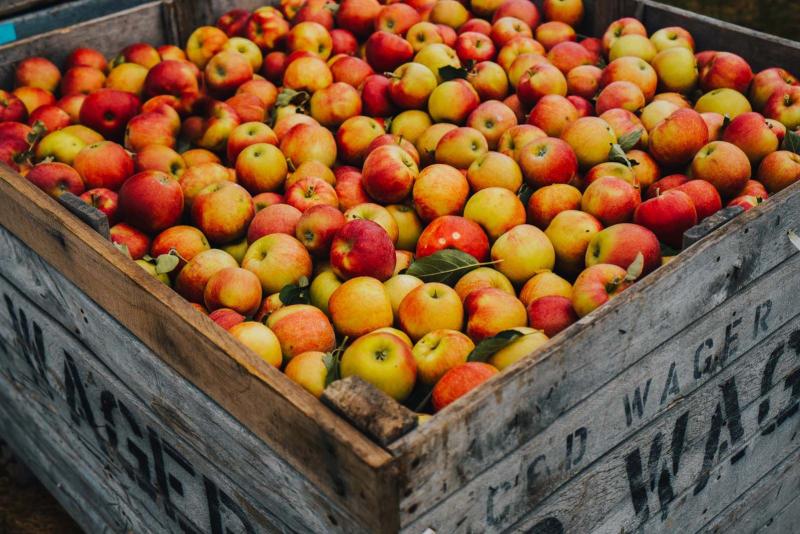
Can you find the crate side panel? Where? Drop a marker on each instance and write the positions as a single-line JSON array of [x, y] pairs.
[[622, 407], [493, 421], [84, 370]]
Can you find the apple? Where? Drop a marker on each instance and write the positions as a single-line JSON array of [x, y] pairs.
[[591, 139], [554, 32], [275, 219], [523, 10], [474, 46], [260, 339], [621, 243], [317, 227], [672, 37], [351, 70], [192, 279], [566, 11], [439, 190], [517, 137], [383, 360], [311, 169], [680, 100], [151, 128], [362, 248], [396, 18], [505, 29], [569, 55], [284, 125], [584, 81], [726, 70], [224, 317], [676, 139], [490, 311], [307, 142], [632, 45], [612, 200], [725, 102], [548, 161], [34, 98], [386, 51], [551, 314], [438, 352], [247, 134], [540, 80], [508, 57], [358, 16], [160, 158], [724, 165], [140, 53], [461, 147], [705, 197], [453, 101], [459, 381], [666, 183], [197, 177], [624, 95], [309, 192], [410, 124], [676, 69], [12, 108], [307, 73], [784, 106], [322, 287], [233, 22], [613, 169], [427, 141], [104, 164], [767, 82], [547, 202], [277, 260], [668, 215], [544, 284], [56, 178], [494, 169], [480, 278], [37, 72], [301, 328], [234, 288], [489, 80], [334, 104], [226, 71], [752, 134], [398, 286], [634, 70], [203, 44], [496, 209], [521, 252], [103, 200], [263, 200], [435, 56], [777, 128], [570, 233], [409, 226], [350, 188], [553, 113], [222, 211], [377, 214], [151, 201], [309, 371], [51, 116], [375, 96], [746, 202], [274, 66], [596, 285], [359, 306], [779, 170], [623, 122], [186, 241], [422, 34], [492, 118], [389, 174], [429, 307], [450, 231]]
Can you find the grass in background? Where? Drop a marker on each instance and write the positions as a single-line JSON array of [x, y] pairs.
[[778, 17]]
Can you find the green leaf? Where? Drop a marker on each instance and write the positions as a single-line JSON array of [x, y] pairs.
[[794, 239], [524, 193], [791, 141], [630, 139], [296, 293], [290, 96], [331, 7], [122, 247], [166, 263], [445, 266], [635, 268], [449, 72], [617, 155], [332, 361], [491, 345]]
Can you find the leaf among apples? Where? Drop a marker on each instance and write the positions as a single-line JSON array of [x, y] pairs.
[[491, 345], [617, 155], [449, 72], [791, 141], [332, 361], [629, 140], [296, 293], [635, 268], [445, 266]]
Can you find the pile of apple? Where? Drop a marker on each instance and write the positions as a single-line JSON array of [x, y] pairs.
[[420, 193]]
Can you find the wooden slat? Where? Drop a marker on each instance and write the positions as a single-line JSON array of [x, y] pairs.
[[110, 34], [342, 462], [186, 421], [9, 7], [493, 421], [612, 416]]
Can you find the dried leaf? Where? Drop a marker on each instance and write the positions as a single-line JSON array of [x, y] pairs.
[[491, 345], [794, 239], [445, 266], [635, 268], [449, 72]]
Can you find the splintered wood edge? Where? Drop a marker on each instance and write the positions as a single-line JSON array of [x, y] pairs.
[[369, 409], [711, 223]]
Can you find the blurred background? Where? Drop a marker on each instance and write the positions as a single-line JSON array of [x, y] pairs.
[[779, 17]]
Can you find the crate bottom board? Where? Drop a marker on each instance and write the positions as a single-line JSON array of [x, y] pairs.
[[118, 436]]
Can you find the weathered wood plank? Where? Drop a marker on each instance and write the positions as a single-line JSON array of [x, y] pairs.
[[110, 34], [10, 7], [185, 421], [491, 422], [87, 213], [344, 464], [765, 500], [692, 462], [621, 408], [785, 521]]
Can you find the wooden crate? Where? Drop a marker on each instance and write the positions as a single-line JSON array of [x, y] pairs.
[[673, 408]]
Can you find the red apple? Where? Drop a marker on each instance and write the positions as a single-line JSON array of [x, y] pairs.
[[151, 201], [274, 219], [104, 164], [451, 231], [551, 314], [386, 51], [548, 161], [137, 242], [705, 197], [389, 173], [459, 381], [668, 215], [362, 248], [56, 178], [726, 70]]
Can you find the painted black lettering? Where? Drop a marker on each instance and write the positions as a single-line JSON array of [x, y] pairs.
[[535, 471], [638, 404], [698, 371], [731, 341], [760, 324], [31, 346], [576, 440], [767, 378], [216, 500], [141, 471], [671, 386], [549, 525], [728, 413]]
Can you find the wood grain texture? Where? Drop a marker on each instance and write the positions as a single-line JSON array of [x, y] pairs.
[[149, 23], [493, 421], [343, 463], [87, 213], [369, 409], [9, 7], [621, 408], [216, 446]]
